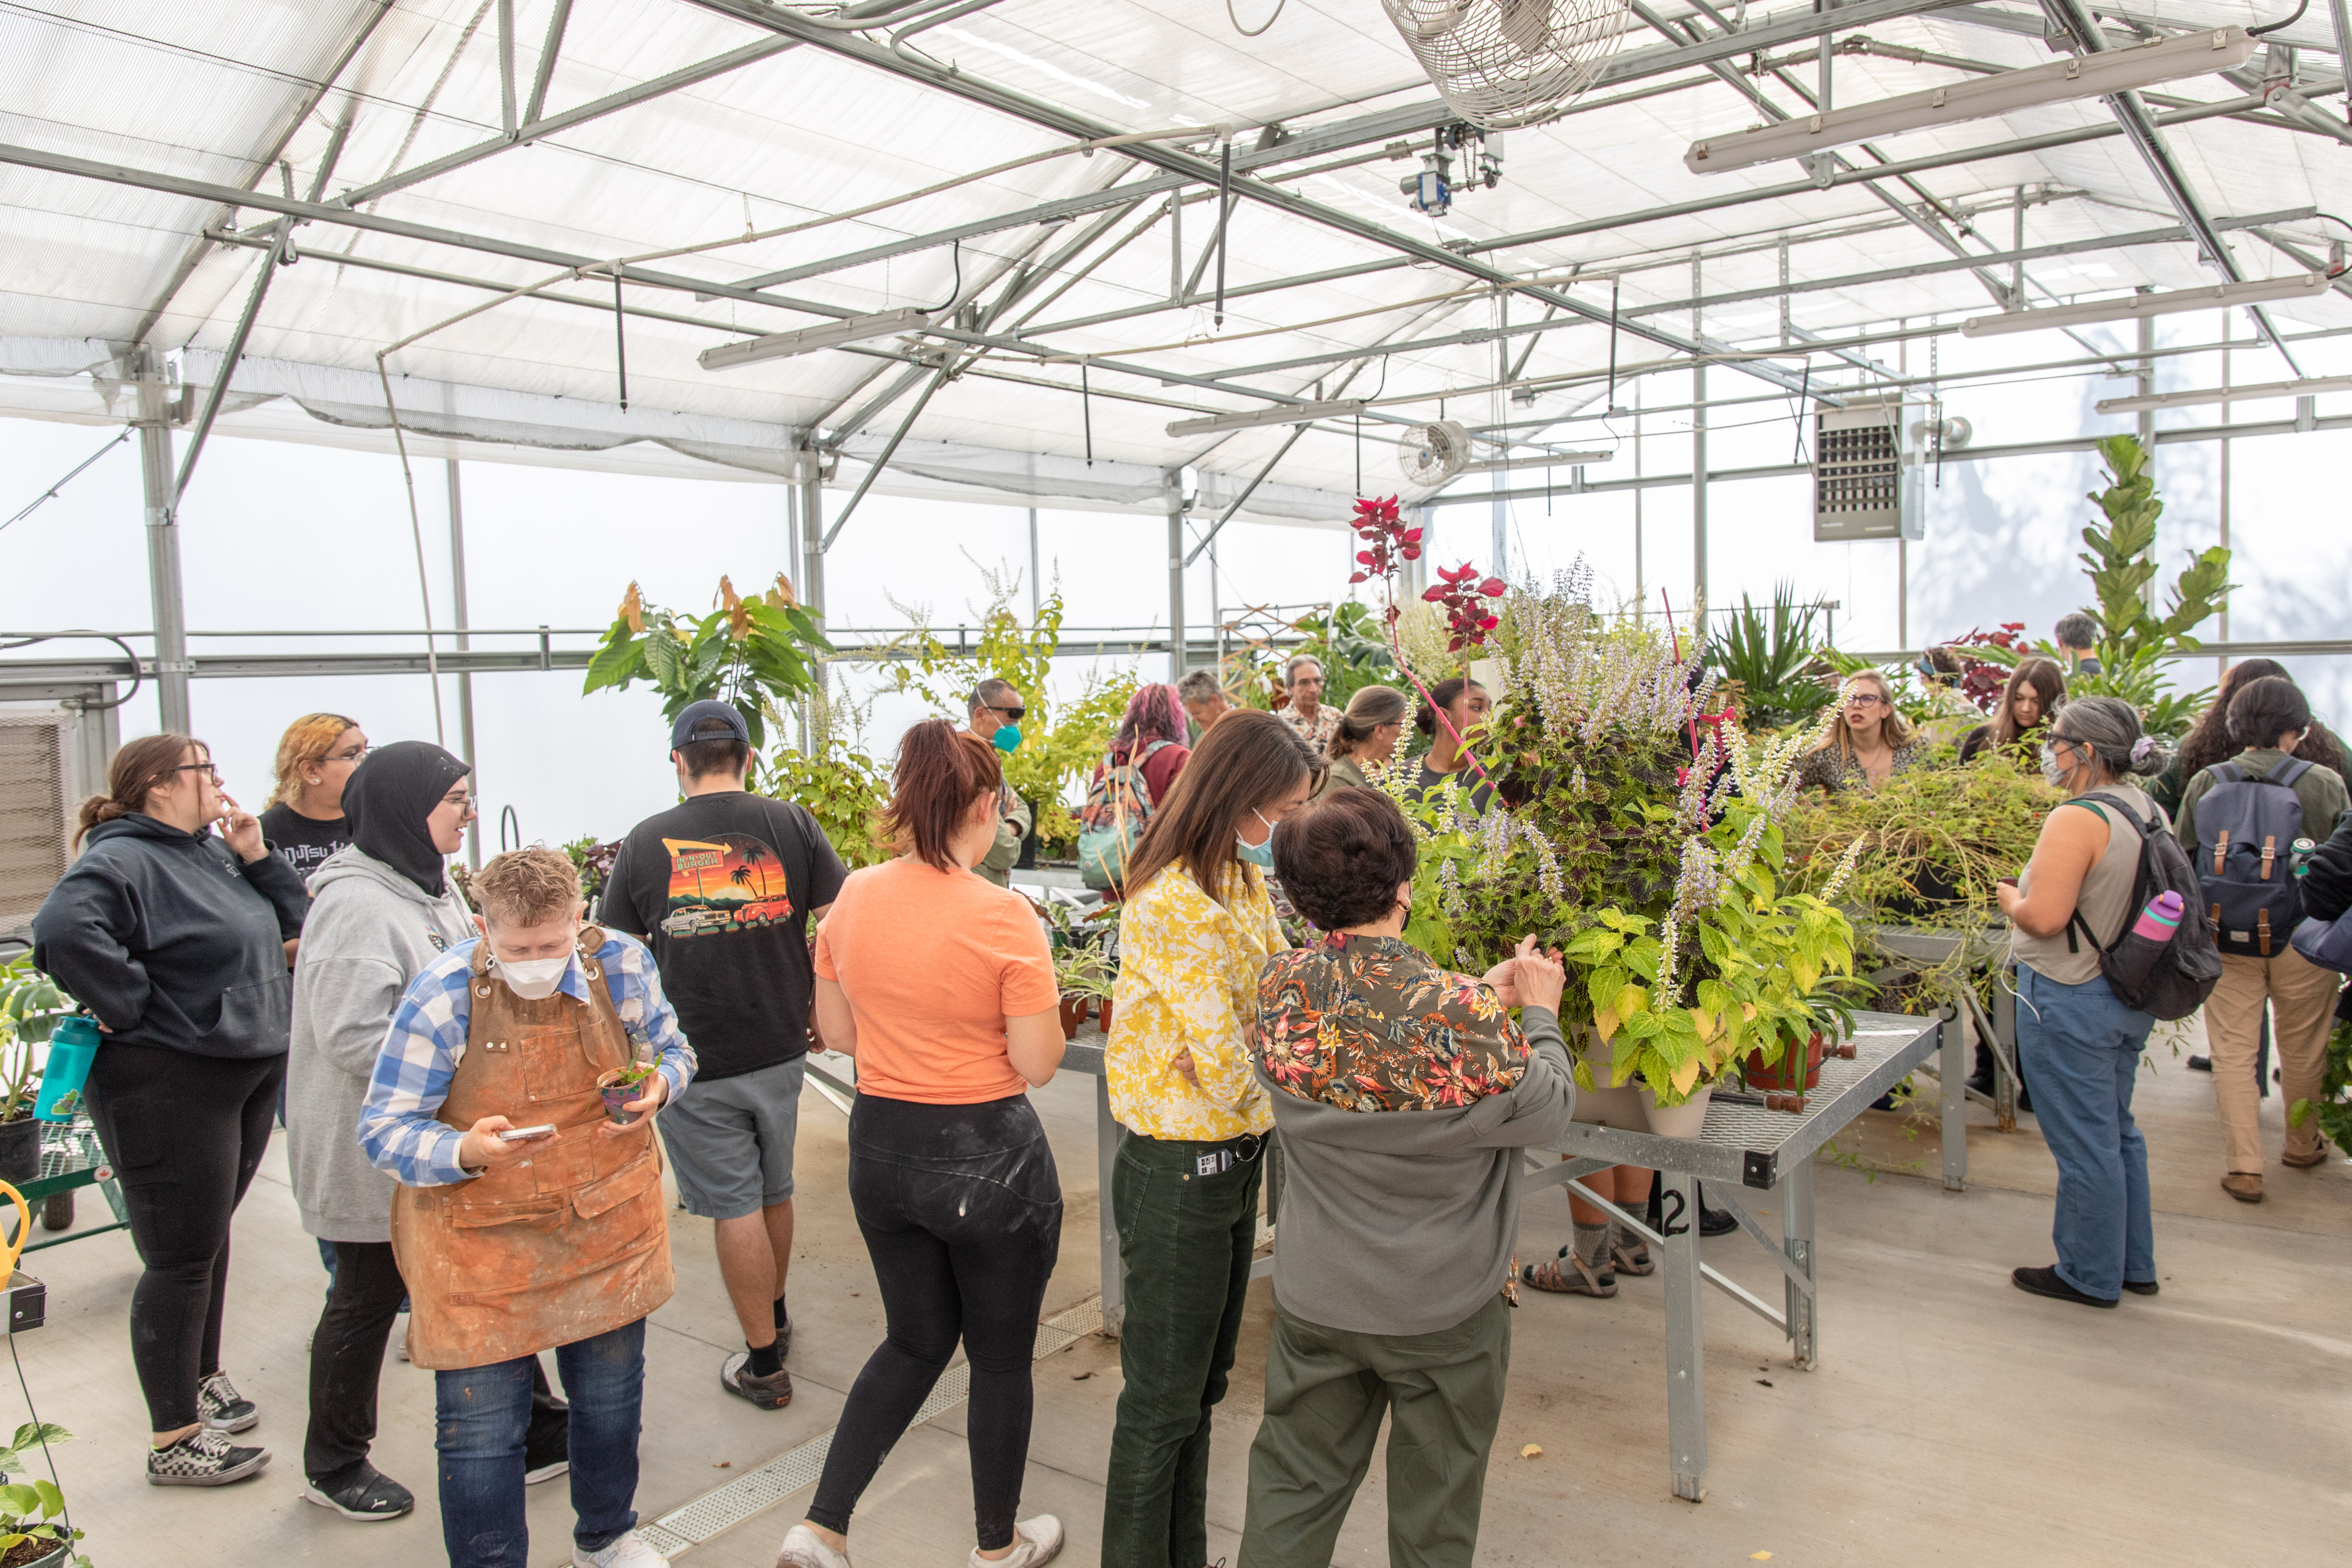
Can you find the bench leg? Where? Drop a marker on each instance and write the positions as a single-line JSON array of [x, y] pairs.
[[1686, 1347]]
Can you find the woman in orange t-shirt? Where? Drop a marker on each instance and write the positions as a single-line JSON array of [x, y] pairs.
[[941, 985]]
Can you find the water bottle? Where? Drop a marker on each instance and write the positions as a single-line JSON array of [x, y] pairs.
[[2157, 921], [2299, 854], [73, 1044]]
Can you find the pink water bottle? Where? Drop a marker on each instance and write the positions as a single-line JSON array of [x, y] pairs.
[[2160, 918]]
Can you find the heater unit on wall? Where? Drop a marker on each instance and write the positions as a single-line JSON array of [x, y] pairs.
[[36, 769], [1866, 472]]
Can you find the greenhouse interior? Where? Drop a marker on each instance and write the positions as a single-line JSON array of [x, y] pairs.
[[1491, 773]]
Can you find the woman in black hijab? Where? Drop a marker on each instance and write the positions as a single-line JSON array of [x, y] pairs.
[[382, 910]]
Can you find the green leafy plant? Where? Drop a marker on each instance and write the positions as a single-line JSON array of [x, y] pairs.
[[594, 861], [2334, 1108], [1773, 658], [1349, 642], [30, 1006], [2121, 561], [1084, 971], [839, 784], [30, 1508], [757, 654]]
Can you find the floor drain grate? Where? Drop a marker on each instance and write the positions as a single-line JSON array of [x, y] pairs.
[[724, 1508]]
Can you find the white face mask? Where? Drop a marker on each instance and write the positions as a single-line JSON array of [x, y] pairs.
[[533, 978]]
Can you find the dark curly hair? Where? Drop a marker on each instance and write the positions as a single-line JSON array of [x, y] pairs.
[[1341, 859]]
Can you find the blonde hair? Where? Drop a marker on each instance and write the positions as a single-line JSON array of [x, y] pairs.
[[526, 887], [307, 740], [1367, 710], [1895, 728]]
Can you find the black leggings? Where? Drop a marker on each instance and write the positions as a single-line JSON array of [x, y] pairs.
[[347, 1359], [184, 1134], [961, 1209]]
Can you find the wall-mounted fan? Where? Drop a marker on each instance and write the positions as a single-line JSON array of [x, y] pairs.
[[1433, 453], [1504, 63]]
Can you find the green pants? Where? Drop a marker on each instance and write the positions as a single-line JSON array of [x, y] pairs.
[[1326, 1390], [1184, 1242]]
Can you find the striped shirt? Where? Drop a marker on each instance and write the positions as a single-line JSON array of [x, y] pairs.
[[398, 1131]]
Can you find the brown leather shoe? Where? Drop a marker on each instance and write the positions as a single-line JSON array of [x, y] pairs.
[[2245, 1188], [2305, 1161]]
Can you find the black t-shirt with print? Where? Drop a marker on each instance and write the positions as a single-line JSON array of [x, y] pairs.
[[720, 887], [303, 842]]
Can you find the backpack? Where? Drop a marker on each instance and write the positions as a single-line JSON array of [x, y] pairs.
[[1118, 806], [2169, 979], [2245, 825]]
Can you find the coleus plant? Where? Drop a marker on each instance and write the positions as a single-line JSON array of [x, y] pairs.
[[1462, 594], [1387, 542]]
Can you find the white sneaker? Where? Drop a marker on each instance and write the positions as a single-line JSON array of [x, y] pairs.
[[400, 1337], [802, 1548], [1034, 1541], [628, 1551]]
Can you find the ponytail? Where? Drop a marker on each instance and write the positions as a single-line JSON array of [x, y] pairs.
[[941, 770], [139, 769]]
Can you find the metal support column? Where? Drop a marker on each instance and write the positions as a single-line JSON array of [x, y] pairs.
[[1036, 582], [1686, 1339], [1796, 1238], [1698, 473], [1114, 1283], [1953, 1063], [812, 488], [155, 481], [465, 641], [1176, 624]]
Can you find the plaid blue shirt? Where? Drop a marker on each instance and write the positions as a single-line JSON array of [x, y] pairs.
[[398, 1131]]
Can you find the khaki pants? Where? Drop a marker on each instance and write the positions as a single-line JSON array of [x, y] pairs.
[[2303, 1002]]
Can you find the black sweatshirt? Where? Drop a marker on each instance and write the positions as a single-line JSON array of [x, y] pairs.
[[2327, 885], [173, 941]]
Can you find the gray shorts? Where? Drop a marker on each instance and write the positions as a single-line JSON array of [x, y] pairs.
[[730, 1141]]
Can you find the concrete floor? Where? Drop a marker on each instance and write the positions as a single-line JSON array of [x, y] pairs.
[[1953, 1418]]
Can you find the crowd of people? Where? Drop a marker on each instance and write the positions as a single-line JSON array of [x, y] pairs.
[[473, 1072]]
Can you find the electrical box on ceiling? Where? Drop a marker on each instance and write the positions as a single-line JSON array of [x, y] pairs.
[[1866, 472]]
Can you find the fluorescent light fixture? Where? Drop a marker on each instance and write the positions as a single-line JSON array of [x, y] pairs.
[[2215, 297], [1290, 414], [2308, 387], [808, 339], [2082, 75], [1553, 460]]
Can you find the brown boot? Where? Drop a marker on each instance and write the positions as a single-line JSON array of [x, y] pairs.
[[2305, 1161], [2244, 1187]]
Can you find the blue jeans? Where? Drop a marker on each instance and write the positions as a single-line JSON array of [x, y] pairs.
[[2079, 1049], [483, 1413]]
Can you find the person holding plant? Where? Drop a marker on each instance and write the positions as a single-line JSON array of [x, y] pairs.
[[1305, 713], [175, 939], [2273, 795], [305, 821], [1464, 703], [1366, 737], [382, 909], [949, 1173], [2078, 1044], [995, 711], [1406, 1097], [2035, 691], [529, 1214], [1205, 701], [1198, 926], [1869, 743]]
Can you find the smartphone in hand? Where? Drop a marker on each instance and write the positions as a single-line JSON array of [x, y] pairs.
[[528, 1135]]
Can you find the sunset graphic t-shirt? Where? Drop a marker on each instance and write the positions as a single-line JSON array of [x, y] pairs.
[[720, 887]]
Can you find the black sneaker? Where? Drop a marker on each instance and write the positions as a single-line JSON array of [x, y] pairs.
[[772, 1392], [2200, 1064], [223, 1410], [546, 1452], [203, 1459], [2141, 1287], [368, 1495], [2047, 1282], [783, 1330]]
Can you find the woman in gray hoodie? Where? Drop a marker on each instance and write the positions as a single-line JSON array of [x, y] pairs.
[[380, 911]]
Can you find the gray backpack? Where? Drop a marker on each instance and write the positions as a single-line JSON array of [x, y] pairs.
[[2245, 825]]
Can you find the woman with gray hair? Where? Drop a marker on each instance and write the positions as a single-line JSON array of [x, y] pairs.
[[1366, 737], [2078, 1043]]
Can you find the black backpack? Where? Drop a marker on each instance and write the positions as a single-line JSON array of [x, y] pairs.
[[2246, 823], [2169, 979]]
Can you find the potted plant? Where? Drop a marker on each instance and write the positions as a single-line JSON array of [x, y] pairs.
[[1788, 1065], [1085, 977], [28, 1536], [30, 1006], [620, 1085]]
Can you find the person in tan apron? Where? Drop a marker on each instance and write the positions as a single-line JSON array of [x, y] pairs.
[[556, 1240]]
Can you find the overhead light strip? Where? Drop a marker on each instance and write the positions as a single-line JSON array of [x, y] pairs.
[[1291, 414], [2217, 297], [2100, 75], [2309, 388], [1550, 460], [808, 339]]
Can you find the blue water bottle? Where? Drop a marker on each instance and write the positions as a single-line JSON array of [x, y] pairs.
[[73, 1044]]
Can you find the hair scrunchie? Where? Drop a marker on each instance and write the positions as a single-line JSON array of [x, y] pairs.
[[2144, 751]]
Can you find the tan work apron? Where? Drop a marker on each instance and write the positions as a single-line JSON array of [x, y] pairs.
[[567, 1244]]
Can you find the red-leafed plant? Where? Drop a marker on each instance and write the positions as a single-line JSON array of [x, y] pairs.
[[1983, 681], [1462, 594], [1387, 540]]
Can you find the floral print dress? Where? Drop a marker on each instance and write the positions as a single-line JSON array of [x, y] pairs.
[[1188, 969], [1371, 1023]]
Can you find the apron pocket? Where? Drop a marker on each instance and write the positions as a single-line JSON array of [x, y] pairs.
[[611, 1192]]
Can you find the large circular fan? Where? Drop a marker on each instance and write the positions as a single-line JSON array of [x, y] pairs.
[[1506, 63]]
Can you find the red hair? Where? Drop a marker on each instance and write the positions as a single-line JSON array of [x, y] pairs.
[[942, 769]]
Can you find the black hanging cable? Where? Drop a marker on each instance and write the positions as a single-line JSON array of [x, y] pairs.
[[137, 676], [2301, 6], [955, 293], [1086, 410], [65, 1509], [620, 338], [1224, 216]]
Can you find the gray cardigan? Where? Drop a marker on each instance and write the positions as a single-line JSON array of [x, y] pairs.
[[370, 931], [1403, 1222]]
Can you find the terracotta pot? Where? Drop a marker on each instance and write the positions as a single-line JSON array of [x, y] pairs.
[[1102, 1014], [618, 1094], [1784, 1075], [1074, 1014]]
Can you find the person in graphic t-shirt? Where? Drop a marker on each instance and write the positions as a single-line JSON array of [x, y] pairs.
[[721, 888], [305, 823]]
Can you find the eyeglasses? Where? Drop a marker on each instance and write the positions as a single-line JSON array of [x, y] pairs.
[[199, 768], [1865, 700], [462, 801], [351, 756]]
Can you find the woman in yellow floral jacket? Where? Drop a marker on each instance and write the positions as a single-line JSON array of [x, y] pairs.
[[1184, 1189]]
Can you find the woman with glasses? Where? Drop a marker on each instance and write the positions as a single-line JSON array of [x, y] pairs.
[[1179, 1066], [1870, 744], [380, 911], [173, 937], [305, 822]]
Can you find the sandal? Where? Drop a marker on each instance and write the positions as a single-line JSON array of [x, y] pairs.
[[1582, 1283], [1635, 1259]]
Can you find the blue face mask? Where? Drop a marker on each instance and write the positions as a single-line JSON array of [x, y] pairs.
[[1257, 853], [1007, 737]]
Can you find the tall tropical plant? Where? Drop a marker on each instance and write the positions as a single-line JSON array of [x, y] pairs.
[[757, 654], [1770, 652], [2121, 561]]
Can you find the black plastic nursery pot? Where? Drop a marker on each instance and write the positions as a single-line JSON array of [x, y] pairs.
[[20, 1150]]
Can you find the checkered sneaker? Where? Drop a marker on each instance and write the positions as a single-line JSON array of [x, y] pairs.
[[222, 1408], [203, 1459]]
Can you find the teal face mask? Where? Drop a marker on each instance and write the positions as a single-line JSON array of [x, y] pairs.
[[1007, 737], [1257, 853]]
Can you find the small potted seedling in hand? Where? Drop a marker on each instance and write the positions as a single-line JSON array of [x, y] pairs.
[[620, 1087]]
